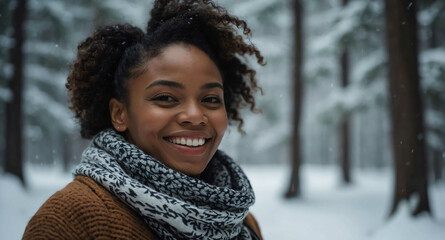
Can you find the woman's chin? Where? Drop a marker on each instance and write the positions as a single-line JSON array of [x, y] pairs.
[[191, 169]]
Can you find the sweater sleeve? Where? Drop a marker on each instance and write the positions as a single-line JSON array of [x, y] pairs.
[[251, 223]]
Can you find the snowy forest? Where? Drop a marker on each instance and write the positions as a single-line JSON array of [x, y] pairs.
[[350, 141]]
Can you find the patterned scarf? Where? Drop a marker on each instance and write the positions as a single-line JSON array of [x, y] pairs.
[[174, 205]]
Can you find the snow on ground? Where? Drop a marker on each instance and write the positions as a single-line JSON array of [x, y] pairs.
[[327, 210], [17, 205]]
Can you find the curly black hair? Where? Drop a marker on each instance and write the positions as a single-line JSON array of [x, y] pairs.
[[114, 54]]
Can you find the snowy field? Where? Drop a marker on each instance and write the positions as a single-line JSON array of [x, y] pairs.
[[327, 210]]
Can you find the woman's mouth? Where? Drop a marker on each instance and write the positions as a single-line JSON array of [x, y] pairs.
[[187, 141]]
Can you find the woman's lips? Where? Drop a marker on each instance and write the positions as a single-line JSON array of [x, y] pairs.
[[187, 141], [192, 146]]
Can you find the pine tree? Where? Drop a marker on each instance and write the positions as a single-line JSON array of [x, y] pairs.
[[408, 136], [345, 162], [14, 122], [294, 189]]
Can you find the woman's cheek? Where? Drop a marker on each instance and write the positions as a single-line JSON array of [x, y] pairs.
[[222, 122]]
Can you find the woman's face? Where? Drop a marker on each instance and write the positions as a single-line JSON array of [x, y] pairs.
[[176, 109]]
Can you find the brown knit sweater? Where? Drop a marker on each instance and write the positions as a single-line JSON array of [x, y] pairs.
[[86, 210]]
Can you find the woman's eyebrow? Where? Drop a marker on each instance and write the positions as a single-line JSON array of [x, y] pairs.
[[165, 83], [211, 85]]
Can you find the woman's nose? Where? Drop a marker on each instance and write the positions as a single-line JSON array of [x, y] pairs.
[[192, 114]]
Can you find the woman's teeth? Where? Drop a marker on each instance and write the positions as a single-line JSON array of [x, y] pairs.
[[191, 142]]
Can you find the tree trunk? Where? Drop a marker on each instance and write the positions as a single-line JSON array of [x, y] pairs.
[[406, 106], [437, 165], [13, 151], [436, 154], [344, 124], [344, 151], [294, 185], [67, 154]]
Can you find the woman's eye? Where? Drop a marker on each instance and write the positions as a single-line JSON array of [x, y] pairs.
[[164, 98], [212, 100]]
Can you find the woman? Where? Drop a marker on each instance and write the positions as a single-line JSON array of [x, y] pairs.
[[156, 105]]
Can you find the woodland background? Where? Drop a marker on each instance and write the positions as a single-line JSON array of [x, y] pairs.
[[334, 87]]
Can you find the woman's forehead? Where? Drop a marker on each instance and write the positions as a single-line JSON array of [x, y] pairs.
[[183, 59], [180, 66]]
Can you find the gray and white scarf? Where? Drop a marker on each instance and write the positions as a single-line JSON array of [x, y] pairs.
[[174, 205]]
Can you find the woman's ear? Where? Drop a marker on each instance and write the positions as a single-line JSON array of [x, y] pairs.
[[118, 115]]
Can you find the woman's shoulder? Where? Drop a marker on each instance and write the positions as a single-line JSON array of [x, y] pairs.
[[59, 216], [85, 210]]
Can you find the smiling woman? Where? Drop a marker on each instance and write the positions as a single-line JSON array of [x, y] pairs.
[[156, 105], [175, 109]]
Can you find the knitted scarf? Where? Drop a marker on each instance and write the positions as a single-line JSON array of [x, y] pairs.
[[174, 205]]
